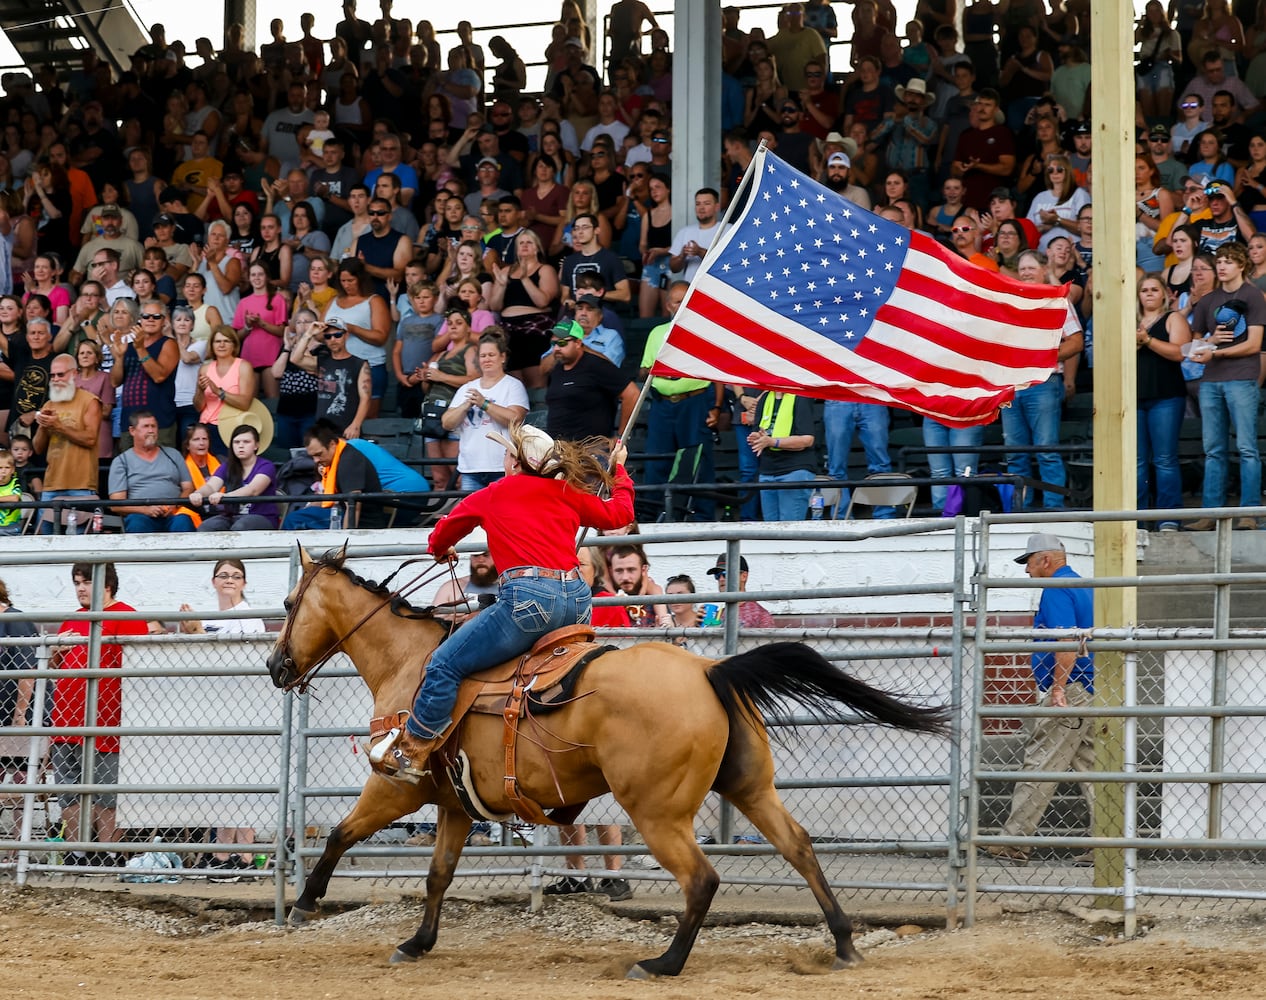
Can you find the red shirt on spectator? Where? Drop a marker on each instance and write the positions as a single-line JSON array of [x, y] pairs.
[[70, 696]]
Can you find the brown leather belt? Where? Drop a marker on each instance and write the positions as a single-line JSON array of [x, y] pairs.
[[540, 571], [683, 395]]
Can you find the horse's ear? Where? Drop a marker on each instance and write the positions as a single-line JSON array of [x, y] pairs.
[[305, 560], [342, 552]]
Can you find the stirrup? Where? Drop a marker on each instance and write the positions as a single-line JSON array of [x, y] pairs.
[[388, 759]]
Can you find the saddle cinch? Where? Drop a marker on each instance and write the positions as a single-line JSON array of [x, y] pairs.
[[540, 681]]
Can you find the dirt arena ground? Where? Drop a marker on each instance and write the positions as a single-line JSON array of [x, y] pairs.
[[128, 945]]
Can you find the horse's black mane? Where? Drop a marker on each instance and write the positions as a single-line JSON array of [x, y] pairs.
[[337, 561]]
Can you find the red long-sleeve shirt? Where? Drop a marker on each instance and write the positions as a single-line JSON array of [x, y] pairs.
[[531, 521]]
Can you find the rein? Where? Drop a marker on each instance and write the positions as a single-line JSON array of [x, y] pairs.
[[394, 598]]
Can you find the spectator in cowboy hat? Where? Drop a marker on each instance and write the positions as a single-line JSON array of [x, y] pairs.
[[911, 137]]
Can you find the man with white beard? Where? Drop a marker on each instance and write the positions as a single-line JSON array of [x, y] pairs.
[[67, 428]]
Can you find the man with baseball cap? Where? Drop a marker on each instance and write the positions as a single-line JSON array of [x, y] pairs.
[[751, 614], [598, 338], [487, 185], [131, 253], [1064, 679], [1228, 222], [585, 390], [179, 260], [1161, 149], [838, 167]]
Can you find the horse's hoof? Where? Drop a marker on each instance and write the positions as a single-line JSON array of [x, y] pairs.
[[637, 972], [399, 957], [298, 917], [847, 961]]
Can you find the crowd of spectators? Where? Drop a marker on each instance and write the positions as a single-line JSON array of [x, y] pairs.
[[326, 227]]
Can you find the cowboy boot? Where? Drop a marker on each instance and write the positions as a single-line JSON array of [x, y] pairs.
[[400, 754]]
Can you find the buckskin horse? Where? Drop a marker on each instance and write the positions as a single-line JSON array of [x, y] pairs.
[[654, 725]]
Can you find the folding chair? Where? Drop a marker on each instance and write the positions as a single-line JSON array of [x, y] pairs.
[[890, 489]]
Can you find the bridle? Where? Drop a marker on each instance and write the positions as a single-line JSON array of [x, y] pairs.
[[395, 598]]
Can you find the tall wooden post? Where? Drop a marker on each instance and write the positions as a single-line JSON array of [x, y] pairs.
[[1115, 432]]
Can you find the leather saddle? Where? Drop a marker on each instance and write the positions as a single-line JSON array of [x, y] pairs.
[[539, 681], [540, 670]]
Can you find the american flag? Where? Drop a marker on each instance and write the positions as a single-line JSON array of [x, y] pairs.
[[808, 293]]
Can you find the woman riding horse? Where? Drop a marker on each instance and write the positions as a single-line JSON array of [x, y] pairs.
[[550, 490]]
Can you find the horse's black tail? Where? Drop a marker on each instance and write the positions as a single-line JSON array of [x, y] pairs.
[[771, 678]]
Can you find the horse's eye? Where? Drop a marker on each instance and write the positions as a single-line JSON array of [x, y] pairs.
[[288, 604]]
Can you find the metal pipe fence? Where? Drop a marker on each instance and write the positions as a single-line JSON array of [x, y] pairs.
[[207, 744]]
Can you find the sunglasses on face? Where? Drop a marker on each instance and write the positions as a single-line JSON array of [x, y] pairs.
[[963, 229], [1189, 105], [563, 342], [1055, 170], [377, 212], [335, 334], [151, 315]]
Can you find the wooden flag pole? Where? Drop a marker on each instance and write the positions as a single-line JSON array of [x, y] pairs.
[[1115, 430]]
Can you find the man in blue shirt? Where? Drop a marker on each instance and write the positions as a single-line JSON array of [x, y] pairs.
[[598, 338], [1064, 679]]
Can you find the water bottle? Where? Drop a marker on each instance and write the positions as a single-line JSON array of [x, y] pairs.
[[57, 836], [336, 517], [98, 521], [817, 505], [261, 861], [72, 521]]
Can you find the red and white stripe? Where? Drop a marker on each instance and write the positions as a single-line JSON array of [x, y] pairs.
[[953, 342]]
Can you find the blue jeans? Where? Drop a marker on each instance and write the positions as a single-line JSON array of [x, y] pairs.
[[46, 517], [526, 609], [1159, 423], [143, 524], [471, 481], [786, 505], [1033, 419], [681, 427], [749, 472], [307, 518], [1224, 405], [870, 420], [941, 464], [289, 430]]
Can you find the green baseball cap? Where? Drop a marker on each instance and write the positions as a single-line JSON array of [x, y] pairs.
[[568, 328]]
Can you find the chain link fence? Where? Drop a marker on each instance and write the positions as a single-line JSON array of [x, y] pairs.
[[215, 762]]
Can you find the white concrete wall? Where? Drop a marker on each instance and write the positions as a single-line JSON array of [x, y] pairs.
[[775, 565]]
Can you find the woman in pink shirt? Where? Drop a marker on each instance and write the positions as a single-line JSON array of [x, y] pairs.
[[225, 378], [261, 318]]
